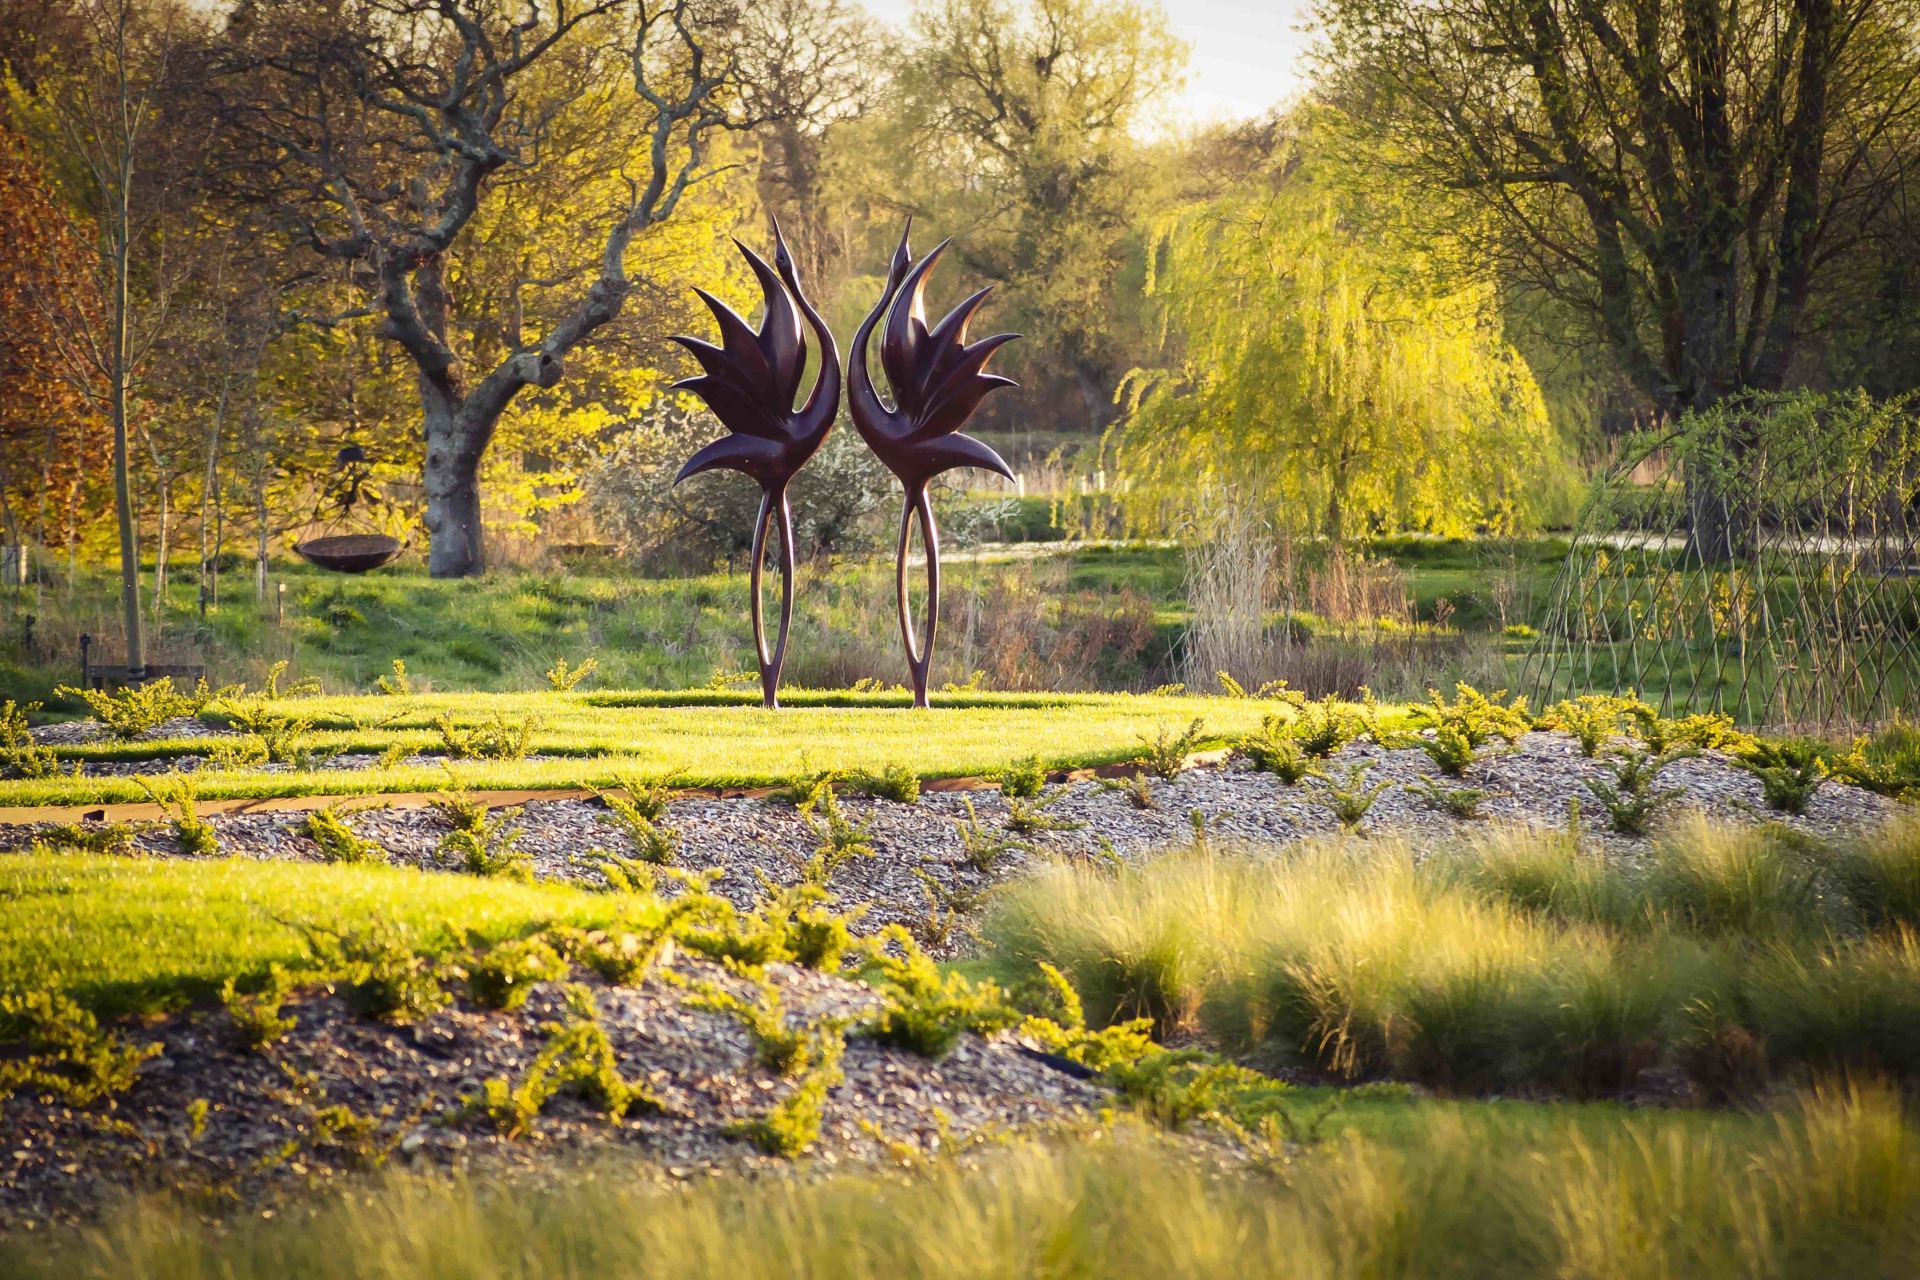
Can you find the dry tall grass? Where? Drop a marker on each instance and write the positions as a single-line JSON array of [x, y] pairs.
[[1831, 1187]]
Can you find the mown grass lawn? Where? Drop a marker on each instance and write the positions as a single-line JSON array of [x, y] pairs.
[[707, 739], [127, 935]]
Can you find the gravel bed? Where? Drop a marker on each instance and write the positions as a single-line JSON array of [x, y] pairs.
[[1536, 781], [264, 1133], [347, 762], [74, 733]]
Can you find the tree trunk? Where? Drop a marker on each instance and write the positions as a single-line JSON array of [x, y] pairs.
[[262, 516], [162, 545], [122, 491], [209, 487], [457, 546]]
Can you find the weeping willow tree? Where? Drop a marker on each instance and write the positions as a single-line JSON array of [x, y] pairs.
[[1326, 376]]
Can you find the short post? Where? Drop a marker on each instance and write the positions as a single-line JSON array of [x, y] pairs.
[[86, 661], [280, 605]]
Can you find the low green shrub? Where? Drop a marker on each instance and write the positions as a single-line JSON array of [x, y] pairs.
[[494, 739], [1473, 717], [20, 755], [804, 789], [1275, 749], [983, 846], [379, 971], [791, 1126], [926, 1012], [638, 813], [174, 795], [1458, 802], [254, 1018], [1136, 787], [1349, 796], [1630, 795], [1888, 763], [839, 840], [89, 837], [59, 1050], [895, 782], [336, 840], [481, 844], [577, 1059], [1790, 772], [1323, 727], [778, 1044], [503, 976], [132, 710], [562, 678], [1030, 817], [1023, 779], [1594, 719], [1165, 754]]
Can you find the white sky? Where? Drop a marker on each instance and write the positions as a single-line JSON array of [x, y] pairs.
[[1244, 55]]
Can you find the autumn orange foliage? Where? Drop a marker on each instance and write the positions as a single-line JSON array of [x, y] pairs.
[[51, 438]]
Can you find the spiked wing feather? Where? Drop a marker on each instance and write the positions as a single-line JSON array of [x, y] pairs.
[[938, 378], [750, 379]]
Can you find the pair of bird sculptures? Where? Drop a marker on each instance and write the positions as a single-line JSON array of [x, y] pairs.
[[750, 382]]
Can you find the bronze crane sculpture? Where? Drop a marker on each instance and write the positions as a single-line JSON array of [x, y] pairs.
[[749, 382], [937, 379]]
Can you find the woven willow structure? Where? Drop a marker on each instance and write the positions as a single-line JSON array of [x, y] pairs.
[[1759, 560]]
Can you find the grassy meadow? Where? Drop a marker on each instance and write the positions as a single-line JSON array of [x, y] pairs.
[[1047, 616]]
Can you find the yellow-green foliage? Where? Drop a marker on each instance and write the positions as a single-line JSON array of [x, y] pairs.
[[893, 782], [20, 755], [482, 845], [254, 1017], [1165, 753], [1292, 339], [62, 1052], [564, 678], [339, 842], [591, 738], [174, 795], [1592, 718], [1828, 1185], [131, 711], [791, 1126], [577, 1058], [381, 971], [927, 1012], [504, 975], [778, 1044]]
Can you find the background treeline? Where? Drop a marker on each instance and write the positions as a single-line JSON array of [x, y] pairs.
[[1423, 296]]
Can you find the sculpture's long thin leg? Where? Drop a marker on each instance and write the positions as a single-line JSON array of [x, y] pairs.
[[772, 690], [918, 660], [769, 668]]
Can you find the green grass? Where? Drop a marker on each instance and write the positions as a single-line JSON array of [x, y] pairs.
[[1829, 1186], [501, 632], [710, 739], [1515, 963], [122, 934]]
